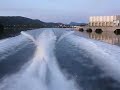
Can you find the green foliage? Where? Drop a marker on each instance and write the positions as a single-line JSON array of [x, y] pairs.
[[20, 22], [1, 29]]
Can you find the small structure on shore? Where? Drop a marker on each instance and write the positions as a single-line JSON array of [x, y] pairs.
[[102, 23]]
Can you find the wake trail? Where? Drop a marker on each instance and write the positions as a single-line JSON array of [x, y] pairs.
[[104, 58], [10, 46], [42, 72]]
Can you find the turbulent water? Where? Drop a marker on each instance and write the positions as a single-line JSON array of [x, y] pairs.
[[61, 60], [42, 72]]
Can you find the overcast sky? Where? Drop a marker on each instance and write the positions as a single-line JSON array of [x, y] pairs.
[[63, 11]]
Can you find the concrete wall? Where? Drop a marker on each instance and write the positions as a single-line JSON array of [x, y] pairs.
[[104, 21]]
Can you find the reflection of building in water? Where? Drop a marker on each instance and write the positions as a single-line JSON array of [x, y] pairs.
[[104, 21], [108, 37]]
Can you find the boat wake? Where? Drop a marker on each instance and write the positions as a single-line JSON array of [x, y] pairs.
[[42, 72], [103, 55], [10, 46]]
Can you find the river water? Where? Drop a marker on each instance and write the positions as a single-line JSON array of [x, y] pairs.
[[60, 59]]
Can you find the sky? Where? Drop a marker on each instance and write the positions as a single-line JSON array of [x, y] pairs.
[[64, 11]]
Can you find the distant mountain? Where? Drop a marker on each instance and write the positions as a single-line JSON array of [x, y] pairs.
[[18, 21], [23, 22], [77, 24], [13, 25]]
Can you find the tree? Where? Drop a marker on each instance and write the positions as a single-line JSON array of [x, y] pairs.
[[1, 29]]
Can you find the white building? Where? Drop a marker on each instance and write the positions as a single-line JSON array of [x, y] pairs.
[[104, 21]]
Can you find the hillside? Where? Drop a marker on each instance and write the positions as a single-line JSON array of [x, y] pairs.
[[12, 25], [77, 24], [23, 22], [18, 21]]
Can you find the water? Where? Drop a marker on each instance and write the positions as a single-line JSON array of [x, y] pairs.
[[56, 59], [107, 36], [42, 72]]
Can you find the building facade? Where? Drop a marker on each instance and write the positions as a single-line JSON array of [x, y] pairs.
[[104, 21]]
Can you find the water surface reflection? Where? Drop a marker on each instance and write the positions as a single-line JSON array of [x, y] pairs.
[[108, 37]]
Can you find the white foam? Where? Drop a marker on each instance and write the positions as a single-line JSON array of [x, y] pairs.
[[42, 72], [28, 36], [8, 46], [65, 35], [105, 58]]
